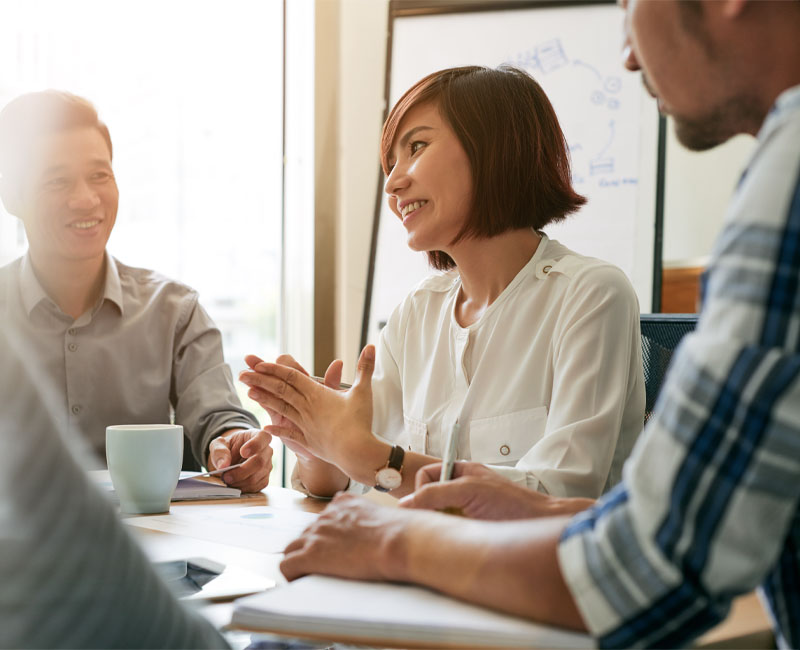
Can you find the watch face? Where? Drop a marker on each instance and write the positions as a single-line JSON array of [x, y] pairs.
[[388, 478]]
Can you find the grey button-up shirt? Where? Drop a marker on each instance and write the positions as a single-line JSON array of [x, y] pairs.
[[145, 351]]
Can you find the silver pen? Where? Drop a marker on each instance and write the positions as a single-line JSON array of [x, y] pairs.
[[321, 380], [450, 454], [214, 472]]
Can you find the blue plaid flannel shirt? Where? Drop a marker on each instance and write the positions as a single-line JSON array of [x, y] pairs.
[[708, 505]]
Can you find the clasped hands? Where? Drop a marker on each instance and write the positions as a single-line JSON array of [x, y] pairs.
[[315, 420]]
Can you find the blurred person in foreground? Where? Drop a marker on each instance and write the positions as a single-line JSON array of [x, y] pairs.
[[121, 345], [72, 577], [709, 503]]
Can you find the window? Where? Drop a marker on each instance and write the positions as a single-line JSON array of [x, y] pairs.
[[192, 92]]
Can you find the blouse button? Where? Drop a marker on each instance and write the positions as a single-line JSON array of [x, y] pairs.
[[505, 450], [76, 409], [72, 331], [547, 269], [72, 347]]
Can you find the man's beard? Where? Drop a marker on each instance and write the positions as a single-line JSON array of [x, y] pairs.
[[732, 116], [738, 115]]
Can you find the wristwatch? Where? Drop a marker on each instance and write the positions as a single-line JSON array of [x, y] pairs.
[[389, 476]]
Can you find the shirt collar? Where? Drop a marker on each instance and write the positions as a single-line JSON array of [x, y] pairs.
[[33, 293], [31, 290], [113, 286], [787, 102]]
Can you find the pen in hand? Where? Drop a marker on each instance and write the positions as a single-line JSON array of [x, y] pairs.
[[214, 472], [321, 380], [254, 361], [447, 465], [449, 454]]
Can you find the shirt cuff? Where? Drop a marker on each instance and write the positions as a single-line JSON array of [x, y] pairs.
[[297, 484], [520, 477], [598, 615]]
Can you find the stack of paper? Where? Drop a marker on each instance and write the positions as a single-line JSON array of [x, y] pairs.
[[188, 489], [381, 613], [193, 489]]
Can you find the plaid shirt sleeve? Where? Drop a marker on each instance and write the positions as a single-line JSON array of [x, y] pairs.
[[708, 508]]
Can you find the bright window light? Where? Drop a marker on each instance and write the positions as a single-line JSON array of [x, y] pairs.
[[192, 93]]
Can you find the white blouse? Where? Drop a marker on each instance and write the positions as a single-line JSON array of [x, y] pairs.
[[547, 385]]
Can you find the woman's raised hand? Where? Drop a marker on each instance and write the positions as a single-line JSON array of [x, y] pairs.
[[309, 417], [335, 372]]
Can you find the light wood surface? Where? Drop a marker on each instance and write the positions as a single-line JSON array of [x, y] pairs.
[[747, 626], [161, 546]]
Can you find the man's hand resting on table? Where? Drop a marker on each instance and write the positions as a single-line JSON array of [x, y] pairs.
[[352, 538], [480, 493], [248, 446]]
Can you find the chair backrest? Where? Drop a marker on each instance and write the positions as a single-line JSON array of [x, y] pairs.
[[661, 334]]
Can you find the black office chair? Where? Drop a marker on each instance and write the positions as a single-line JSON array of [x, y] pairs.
[[661, 334]]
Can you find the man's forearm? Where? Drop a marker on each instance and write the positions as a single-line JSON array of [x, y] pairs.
[[509, 566]]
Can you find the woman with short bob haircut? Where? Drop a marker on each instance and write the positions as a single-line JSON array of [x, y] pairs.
[[528, 352], [517, 153]]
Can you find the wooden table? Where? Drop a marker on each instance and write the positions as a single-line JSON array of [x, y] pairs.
[[747, 626], [161, 546]]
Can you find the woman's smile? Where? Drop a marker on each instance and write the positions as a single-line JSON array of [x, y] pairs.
[[410, 209], [430, 173]]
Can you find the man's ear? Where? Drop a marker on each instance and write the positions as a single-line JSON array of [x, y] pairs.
[[10, 194]]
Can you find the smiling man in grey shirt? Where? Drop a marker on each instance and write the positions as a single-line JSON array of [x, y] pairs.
[[122, 345]]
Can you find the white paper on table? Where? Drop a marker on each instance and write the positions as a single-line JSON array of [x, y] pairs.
[[260, 528], [375, 612]]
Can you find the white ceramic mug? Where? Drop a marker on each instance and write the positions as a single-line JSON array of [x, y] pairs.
[[144, 461]]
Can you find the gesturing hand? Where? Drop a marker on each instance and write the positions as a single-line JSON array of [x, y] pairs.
[[328, 423], [333, 377]]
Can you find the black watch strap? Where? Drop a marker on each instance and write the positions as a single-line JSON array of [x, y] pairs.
[[396, 458]]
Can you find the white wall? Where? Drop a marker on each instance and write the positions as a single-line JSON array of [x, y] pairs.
[[697, 190], [698, 186], [362, 56]]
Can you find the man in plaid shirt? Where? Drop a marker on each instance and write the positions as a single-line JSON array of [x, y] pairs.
[[708, 507]]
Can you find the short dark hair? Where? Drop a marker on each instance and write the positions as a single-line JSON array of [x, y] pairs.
[[32, 115], [517, 152]]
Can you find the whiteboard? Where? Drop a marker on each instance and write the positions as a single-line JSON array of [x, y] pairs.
[[610, 122]]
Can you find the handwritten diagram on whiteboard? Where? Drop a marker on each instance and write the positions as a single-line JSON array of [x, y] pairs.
[[610, 122]]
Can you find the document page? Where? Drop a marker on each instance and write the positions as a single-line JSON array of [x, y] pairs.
[[260, 528], [353, 611]]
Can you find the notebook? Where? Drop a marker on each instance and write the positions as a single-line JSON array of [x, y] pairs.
[[388, 614], [188, 489]]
